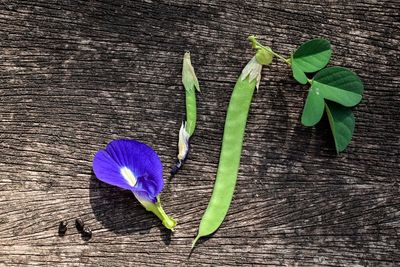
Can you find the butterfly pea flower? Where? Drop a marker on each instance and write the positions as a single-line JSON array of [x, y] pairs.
[[134, 166]]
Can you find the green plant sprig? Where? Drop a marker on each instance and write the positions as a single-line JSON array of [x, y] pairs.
[[332, 89]]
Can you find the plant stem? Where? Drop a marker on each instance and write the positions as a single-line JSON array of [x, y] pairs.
[[257, 45], [167, 221], [157, 209], [287, 61]]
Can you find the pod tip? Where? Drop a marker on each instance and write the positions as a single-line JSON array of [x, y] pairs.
[[195, 241]]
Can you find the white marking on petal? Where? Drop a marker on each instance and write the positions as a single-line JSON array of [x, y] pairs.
[[128, 176]]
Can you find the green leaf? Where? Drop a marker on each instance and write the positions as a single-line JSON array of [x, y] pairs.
[[310, 57], [338, 84], [313, 109], [313, 55], [298, 74], [341, 120]]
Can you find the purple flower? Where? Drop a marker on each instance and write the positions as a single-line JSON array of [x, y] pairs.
[[134, 166]]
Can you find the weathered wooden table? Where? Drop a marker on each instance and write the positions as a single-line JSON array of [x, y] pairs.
[[77, 74]]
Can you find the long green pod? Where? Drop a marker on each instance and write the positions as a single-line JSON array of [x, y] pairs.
[[191, 111], [191, 84], [232, 141]]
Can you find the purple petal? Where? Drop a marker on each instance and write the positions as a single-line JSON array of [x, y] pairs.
[[142, 161], [108, 171], [147, 185]]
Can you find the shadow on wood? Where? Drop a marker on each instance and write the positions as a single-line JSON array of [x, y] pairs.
[[118, 210]]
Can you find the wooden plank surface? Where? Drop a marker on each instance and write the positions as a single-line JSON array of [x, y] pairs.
[[77, 74]]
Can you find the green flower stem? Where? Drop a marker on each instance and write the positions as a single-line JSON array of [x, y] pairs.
[[257, 45], [287, 61], [158, 210]]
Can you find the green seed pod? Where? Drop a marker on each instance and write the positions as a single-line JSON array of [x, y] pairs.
[[191, 84], [232, 141]]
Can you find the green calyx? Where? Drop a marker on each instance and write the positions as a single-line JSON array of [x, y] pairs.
[[158, 210], [264, 54], [264, 57], [267, 55]]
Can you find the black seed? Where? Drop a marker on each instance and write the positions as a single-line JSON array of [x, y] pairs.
[[87, 232], [62, 228], [79, 224]]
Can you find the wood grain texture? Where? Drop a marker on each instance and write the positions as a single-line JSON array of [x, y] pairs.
[[77, 74]]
